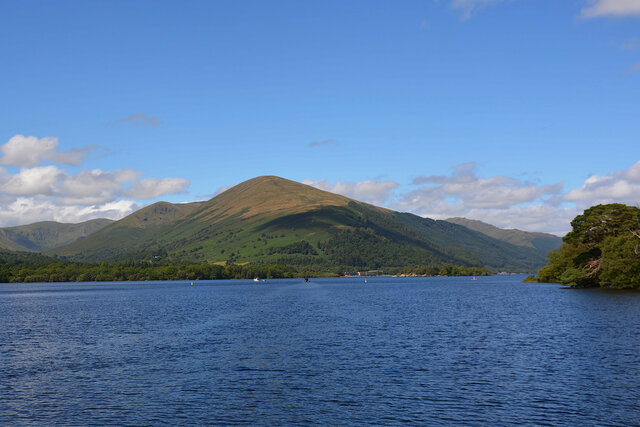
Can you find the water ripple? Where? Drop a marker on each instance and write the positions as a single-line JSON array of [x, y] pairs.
[[437, 351]]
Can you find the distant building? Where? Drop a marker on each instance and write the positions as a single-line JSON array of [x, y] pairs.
[[370, 273], [362, 273]]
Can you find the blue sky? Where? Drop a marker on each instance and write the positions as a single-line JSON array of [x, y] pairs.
[[520, 113]]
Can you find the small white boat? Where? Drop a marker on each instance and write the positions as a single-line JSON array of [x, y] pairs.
[[257, 279]]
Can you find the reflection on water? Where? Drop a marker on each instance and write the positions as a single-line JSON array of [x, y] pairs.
[[335, 351]]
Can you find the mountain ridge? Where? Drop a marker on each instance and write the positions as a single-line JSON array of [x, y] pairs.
[[271, 219], [542, 241], [46, 235]]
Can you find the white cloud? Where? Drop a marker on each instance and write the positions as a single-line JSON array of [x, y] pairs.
[[38, 181], [511, 203], [374, 192], [537, 217], [95, 186], [37, 193], [27, 210], [618, 187], [26, 151], [619, 8], [502, 201], [150, 188], [86, 188], [633, 173], [465, 188]]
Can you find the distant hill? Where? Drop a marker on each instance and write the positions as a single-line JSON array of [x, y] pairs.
[[542, 241], [121, 239], [270, 219], [43, 236]]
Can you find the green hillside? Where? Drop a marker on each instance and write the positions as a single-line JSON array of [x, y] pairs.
[[42, 236], [541, 241], [274, 220], [123, 239], [475, 246]]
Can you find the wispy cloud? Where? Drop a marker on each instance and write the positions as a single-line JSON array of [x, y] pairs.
[[634, 68], [219, 190], [141, 119], [595, 9], [513, 203], [631, 44], [468, 7], [150, 188], [464, 189], [506, 202], [503, 201], [374, 192], [619, 8], [323, 143]]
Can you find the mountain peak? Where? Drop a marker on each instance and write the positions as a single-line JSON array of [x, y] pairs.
[[269, 195]]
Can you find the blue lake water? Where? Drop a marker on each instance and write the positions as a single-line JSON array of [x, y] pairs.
[[335, 351]]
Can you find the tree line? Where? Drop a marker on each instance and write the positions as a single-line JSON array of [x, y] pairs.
[[17, 267], [445, 270], [41, 269]]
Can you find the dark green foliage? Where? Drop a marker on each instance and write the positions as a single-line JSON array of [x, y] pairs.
[[302, 247], [314, 219], [559, 260], [602, 249], [621, 262], [16, 267], [445, 270], [20, 267], [473, 247], [363, 248], [602, 221]]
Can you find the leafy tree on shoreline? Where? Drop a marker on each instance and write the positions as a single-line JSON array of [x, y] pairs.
[[601, 250]]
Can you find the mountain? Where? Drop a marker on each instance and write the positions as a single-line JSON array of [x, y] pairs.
[[43, 236], [127, 235], [542, 241], [273, 220]]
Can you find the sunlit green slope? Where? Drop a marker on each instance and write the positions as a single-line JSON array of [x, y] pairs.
[[271, 219]]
